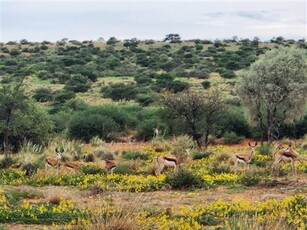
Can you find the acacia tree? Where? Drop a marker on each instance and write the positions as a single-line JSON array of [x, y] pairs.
[[274, 89], [199, 112], [172, 38]]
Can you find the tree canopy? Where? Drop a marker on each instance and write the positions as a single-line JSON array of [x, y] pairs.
[[274, 89]]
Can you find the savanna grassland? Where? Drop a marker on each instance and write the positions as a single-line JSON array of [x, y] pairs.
[[132, 101]]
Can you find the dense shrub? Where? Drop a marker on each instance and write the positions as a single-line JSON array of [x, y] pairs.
[[232, 138], [43, 94], [123, 169], [92, 169], [206, 84], [6, 162], [264, 149], [63, 96], [228, 74], [250, 179], [86, 126], [132, 155], [183, 179], [201, 155], [145, 99], [120, 91]]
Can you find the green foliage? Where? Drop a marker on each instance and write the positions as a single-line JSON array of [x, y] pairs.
[[6, 162], [43, 94], [183, 179], [274, 89], [250, 179], [120, 91], [21, 119], [92, 169], [235, 121], [264, 149], [86, 126], [63, 96], [232, 138], [132, 155], [123, 169], [228, 74], [201, 155], [145, 99], [105, 122], [208, 219], [206, 84]]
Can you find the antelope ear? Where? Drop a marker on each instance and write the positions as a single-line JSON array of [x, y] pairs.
[[256, 143], [249, 144], [56, 150]]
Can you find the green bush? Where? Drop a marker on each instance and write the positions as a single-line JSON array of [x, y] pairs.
[[232, 138], [264, 150], [145, 99], [92, 169], [6, 162], [228, 74], [43, 94], [250, 179], [85, 126], [201, 155], [123, 169], [132, 155], [183, 179], [63, 96], [206, 84], [120, 91]]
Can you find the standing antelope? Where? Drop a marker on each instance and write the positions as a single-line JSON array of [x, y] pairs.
[[245, 158], [168, 161], [54, 162], [110, 166], [288, 154]]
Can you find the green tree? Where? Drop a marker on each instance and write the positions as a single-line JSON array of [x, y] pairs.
[[200, 113], [274, 89], [20, 119], [131, 43], [172, 38]]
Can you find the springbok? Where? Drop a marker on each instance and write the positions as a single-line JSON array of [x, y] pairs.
[[110, 166], [54, 162], [74, 166], [245, 158], [168, 161], [288, 154]]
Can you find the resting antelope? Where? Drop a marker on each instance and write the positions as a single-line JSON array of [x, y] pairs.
[[288, 154], [110, 166], [74, 166], [54, 162], [168, 161], [245, 158]]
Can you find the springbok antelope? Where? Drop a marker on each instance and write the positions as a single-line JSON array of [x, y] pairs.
[[54, 162], [288, 154], [245, 158], [73, 166], [110, 166], [168, 161]]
